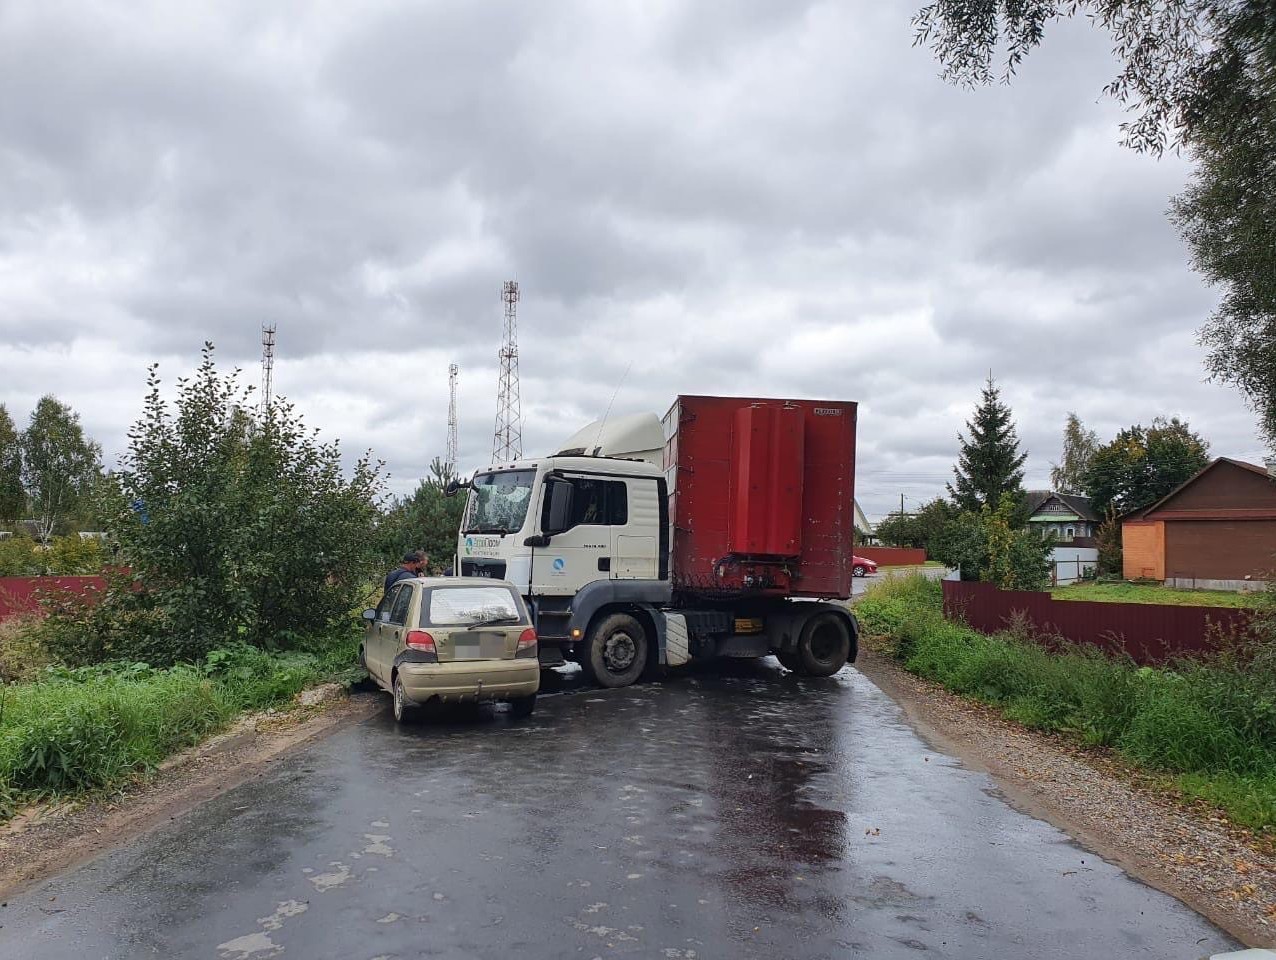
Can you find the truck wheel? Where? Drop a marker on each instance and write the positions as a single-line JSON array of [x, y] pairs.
[[824, 645], [617, 651]]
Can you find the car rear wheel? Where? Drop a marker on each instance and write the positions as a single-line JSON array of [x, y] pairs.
[[522, 708], [859, 570], [405, 711], [616, 653], [824, 646]]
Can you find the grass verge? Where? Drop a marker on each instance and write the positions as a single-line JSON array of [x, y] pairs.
[[1122, 592], [1208, 725], [82, 729]]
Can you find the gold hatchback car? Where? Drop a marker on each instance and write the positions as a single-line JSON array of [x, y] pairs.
[[435, 640]]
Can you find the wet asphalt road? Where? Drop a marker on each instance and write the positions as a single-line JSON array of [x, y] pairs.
[[744, 814]]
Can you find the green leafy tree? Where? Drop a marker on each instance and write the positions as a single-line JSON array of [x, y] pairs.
[[236, 529], [921, 529], [427, 519], [59, 464], [12, 496], [1199, 73], [989, 464], [1079, 445], [992, 546], [1141, 465]]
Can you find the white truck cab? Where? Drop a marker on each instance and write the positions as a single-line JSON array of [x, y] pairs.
[[571, 533]]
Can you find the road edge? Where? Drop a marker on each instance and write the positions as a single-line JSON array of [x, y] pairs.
[[50, 838], [999, 751]]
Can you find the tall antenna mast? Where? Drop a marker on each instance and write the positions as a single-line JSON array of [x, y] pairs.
[[267, 366], [450, 459], [508, 443]]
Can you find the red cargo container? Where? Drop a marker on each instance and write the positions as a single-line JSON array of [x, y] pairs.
[[761, 495]]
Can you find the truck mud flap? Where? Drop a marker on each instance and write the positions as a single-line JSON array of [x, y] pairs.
[[677, 642]]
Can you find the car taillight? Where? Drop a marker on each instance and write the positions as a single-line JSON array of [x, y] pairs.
[[420, 640], [527, 639]]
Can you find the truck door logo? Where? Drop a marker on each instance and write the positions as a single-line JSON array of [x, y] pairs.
[[559, 564]]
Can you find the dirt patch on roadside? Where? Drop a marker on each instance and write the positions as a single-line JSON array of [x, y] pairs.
[[51, 837], [1192, 853]]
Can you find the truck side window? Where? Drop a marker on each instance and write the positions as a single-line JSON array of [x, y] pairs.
[[599, 502], [617, 504]]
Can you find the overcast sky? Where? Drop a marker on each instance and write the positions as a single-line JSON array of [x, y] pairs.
[[740, 196]]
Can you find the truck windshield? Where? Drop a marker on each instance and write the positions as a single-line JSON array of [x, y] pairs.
[[498, 502]]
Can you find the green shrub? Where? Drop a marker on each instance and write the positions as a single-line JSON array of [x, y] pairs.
[[66, 733], [22, 653], [1210, 721], [18, 557], [70, 556], [85, 727]]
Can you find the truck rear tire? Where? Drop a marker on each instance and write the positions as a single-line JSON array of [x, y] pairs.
[[824, 646], [616, 653]]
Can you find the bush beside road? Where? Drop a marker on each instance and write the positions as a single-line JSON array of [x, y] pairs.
[[75, 730], [1208, 726]]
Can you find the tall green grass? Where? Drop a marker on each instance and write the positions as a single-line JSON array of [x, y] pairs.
[[1209, 723], [93, 727]]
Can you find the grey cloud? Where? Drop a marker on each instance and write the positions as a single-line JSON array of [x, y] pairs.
[[749, 198]]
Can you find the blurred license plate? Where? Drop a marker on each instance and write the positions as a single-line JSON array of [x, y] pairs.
[[478, 646]]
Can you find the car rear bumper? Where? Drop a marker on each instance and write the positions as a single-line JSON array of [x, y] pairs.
[[470, 680]]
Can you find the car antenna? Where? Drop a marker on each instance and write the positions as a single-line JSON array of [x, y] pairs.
[[602, 423]]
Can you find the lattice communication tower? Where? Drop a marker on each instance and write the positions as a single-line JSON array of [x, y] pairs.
[[452, 372], [508, 443], [267, 367]]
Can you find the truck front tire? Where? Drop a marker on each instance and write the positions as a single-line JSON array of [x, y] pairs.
[[616, 653], [824, 645]]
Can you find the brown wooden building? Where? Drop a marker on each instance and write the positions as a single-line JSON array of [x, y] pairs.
[[1217, 530]]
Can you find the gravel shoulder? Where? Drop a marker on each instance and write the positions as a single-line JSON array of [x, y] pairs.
[[1189, 851], [48, 838]]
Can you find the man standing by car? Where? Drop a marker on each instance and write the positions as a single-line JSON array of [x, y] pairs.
[[414, 565]]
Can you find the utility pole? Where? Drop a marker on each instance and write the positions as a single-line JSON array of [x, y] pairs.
[[901, 504], [450, 458], [508, 443], [267, 367]]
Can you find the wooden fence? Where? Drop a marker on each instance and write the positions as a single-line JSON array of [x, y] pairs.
[[1147, 633], [22, 594]]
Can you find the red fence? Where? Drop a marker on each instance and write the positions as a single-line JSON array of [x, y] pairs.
[[22, 594], [892, 556], [1148, 633]]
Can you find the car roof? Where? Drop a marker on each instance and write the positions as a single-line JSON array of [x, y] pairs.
[[463, 582]]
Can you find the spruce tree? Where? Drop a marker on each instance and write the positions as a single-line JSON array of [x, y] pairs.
[[990, 463]]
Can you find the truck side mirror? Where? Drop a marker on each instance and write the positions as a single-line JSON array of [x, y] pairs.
[[558, 506]]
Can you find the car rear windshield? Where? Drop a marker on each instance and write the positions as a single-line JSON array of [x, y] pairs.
[[462, 606]]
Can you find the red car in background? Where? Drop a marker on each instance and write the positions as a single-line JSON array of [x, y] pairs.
[[862, 566]]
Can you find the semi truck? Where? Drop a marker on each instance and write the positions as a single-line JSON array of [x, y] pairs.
[[727, 534]]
